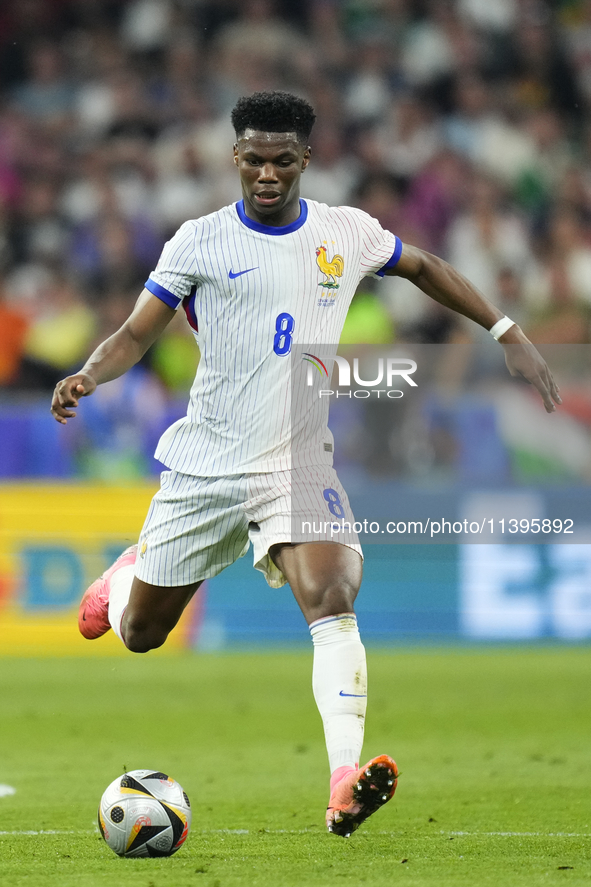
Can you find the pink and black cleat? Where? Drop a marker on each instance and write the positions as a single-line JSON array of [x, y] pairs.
[[359, 794], [93, 614]]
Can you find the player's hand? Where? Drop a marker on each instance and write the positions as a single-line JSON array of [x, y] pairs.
[[67, 395], [523, 359]]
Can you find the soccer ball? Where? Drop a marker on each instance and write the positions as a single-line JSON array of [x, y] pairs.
[[144, 813]]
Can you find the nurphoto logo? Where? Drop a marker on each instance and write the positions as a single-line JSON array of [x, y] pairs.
[[387, 370]]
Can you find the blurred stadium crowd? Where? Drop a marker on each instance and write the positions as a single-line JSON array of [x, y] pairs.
[[462, 125]]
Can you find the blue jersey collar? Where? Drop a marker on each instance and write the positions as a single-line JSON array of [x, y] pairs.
[[272, 229]]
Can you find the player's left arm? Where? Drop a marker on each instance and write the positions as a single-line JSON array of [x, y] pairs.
[[442, 282]]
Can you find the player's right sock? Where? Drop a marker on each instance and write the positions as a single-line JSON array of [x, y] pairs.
[[104, 602], [340, 687]]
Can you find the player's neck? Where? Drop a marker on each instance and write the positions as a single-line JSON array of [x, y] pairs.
[[285, 216]]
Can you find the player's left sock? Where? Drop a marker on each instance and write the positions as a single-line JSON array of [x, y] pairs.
[[121, 582], [340, 689]]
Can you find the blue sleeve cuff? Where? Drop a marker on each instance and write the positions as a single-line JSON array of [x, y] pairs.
[[393, 260], [163, 294]]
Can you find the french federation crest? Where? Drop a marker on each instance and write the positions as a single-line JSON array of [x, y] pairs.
[[331, 268]]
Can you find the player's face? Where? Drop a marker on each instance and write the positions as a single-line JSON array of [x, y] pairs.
[[270, 166]]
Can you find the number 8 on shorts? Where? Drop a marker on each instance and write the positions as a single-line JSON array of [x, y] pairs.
[[335, 506]]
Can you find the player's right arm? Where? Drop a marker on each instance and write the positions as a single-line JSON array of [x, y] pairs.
[[115, 356]]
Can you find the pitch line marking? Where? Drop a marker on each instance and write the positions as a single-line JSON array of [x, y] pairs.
[[520, 834], [52, 831], [311, 831], [307, 831]]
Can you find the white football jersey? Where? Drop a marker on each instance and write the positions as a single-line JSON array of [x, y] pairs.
[[251, 292]]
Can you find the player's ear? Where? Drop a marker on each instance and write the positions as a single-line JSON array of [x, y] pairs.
[[306, 157], [235, 150]]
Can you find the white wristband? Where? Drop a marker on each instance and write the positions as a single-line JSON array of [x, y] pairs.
[[500, 327]]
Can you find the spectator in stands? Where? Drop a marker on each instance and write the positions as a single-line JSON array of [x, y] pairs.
[[558, 288], [13, 330], [47, 95], [60, 332]]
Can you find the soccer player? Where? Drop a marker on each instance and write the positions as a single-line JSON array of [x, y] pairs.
[[248, 279]]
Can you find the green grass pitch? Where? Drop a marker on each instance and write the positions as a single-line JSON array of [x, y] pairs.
[[493, 748]]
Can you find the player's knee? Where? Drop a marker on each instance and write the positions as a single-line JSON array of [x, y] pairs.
[[330, 599], [140, 637]]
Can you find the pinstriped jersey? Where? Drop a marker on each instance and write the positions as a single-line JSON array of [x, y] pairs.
[[251, 292]]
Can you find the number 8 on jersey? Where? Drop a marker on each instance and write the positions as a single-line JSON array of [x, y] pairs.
[[283, 334]]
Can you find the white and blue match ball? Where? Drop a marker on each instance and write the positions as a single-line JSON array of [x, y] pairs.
[[144, 813]]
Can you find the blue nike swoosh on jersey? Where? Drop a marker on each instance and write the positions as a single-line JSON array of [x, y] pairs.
[[357, 695], [231, 274]]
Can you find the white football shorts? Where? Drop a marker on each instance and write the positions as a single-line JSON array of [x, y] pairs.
[[197, 526]]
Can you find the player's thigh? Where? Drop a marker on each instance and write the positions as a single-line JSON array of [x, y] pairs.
[[156, 607], [324, 576], [305, 504], [195, 528]]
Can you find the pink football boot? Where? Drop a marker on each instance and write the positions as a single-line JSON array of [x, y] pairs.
[[93, 615], [359, 794]]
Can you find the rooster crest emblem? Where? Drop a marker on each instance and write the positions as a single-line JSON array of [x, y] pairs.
[[331, 270]]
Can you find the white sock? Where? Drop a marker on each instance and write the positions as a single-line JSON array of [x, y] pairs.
[[119, 596], [339, 680]]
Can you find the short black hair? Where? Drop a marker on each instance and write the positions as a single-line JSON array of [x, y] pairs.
[[274, 112]]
